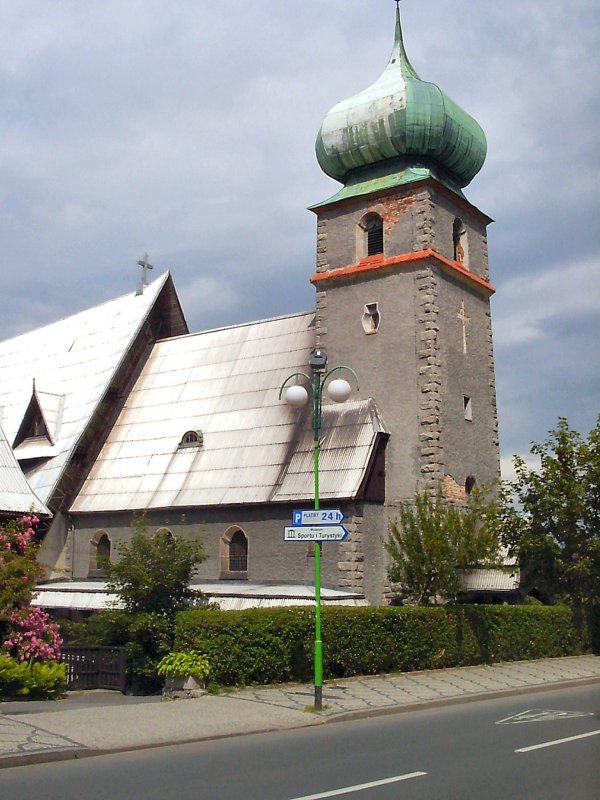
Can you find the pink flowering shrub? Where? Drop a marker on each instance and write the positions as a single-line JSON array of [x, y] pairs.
[[29, 642], [17, 536], [34, 637], [19, 569]]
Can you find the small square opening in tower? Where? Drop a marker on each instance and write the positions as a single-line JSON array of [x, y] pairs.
[[371, 318]]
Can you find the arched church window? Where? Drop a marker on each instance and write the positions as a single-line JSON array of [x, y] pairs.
[[371, 318], [100, 549], [238, 552], [165, 533], [234, 554], [459, 242]]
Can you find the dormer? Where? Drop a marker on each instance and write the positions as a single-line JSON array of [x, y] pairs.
[[39, 429]]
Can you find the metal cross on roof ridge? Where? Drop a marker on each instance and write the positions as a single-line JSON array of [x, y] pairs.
[[145, 265]]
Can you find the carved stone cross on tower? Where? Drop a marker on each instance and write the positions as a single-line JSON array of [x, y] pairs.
[[145, 265], [465, 321]]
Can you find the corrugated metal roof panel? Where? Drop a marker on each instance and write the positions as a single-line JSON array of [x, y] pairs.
[[94, 596], [58, 357], [16, 496], [255, 448], [490, 580]]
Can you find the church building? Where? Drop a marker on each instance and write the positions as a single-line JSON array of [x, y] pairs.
[[119, 410]]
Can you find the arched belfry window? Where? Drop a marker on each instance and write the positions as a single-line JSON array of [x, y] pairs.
[[100, 549], [459, 243], [234, 554], [371, 238]]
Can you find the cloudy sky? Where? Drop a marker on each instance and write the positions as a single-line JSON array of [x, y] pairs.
[[186, 129]]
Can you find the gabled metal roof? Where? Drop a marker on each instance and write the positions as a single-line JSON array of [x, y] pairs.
[[255, 449], [72, 363], [230, 595], [16, 496], [489, 580]]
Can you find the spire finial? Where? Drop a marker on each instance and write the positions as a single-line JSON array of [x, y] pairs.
[[398, 23]]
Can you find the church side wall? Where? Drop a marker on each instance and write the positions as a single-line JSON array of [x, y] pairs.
[[353, 564]]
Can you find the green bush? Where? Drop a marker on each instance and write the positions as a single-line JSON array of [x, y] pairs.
[[182, 665], [248, 647], [490, 633], [146, 637], [261, 646], [38, 681]]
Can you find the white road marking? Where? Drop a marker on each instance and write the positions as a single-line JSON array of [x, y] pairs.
[[541, 715], [360, 787], [556, 741]]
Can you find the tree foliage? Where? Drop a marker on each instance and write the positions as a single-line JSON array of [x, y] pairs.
[[153, 572], [432, 541], [555, 527]]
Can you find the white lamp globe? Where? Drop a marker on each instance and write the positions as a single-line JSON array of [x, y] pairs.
[[296, 396], [339, 390]]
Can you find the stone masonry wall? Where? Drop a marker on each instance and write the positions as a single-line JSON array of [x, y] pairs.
[[431, 462]]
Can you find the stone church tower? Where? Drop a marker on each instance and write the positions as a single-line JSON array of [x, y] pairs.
[[402, 280]]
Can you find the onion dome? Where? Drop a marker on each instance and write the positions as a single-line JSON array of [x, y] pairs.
[[401, 121]]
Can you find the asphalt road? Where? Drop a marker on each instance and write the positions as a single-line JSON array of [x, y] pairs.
[[539, 745]]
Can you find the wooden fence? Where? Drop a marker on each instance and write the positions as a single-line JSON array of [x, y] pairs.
[[95, 667]]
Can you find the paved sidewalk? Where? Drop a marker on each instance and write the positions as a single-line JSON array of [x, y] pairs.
[[89, 723]]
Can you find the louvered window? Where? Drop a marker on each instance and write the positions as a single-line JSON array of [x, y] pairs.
[[375, 238]]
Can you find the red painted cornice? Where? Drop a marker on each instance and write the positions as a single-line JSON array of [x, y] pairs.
[[369, 265]]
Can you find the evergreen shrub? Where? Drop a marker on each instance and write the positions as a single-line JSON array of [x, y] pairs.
[[36, 680], [262, 646]]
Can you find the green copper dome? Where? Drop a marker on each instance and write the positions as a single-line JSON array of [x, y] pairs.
[[403, 119]]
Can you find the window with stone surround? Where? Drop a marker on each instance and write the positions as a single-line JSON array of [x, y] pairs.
[[234, 554], [100, 548], [370, 239]]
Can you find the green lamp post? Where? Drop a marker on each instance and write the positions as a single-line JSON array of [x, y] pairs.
[[296, 395]]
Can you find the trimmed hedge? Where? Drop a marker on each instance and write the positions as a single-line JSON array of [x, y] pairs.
[[261, 646]]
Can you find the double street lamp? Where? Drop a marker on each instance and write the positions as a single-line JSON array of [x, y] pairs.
[[296, 395]]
